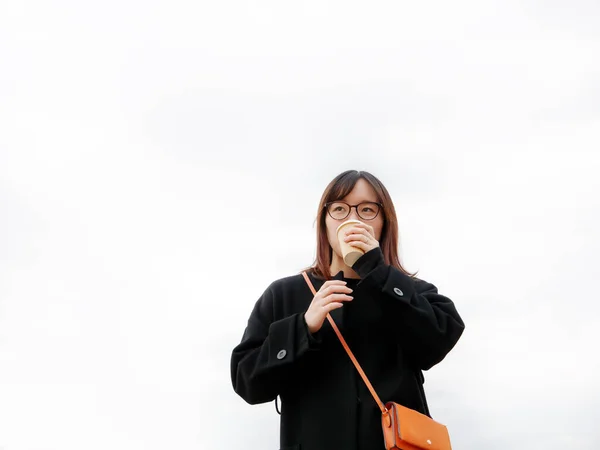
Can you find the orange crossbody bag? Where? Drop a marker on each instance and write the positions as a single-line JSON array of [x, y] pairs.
[[403, 428]]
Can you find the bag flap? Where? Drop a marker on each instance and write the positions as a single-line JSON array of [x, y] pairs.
[[419, 430]]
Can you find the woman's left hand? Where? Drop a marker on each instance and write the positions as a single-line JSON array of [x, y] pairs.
[[362, 236]]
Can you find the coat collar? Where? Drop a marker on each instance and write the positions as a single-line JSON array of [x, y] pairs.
[[340, 276]]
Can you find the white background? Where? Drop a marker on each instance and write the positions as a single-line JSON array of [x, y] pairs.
[[161, 164]]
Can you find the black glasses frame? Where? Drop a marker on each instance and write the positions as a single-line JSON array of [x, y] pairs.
[[326, 206]]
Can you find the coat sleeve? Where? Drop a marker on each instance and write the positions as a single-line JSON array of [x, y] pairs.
[[428, 323], [261, 363]]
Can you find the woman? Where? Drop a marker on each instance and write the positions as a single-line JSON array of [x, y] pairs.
[[396, 325]]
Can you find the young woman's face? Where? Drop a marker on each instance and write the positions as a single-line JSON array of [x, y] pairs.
[[362, 192]]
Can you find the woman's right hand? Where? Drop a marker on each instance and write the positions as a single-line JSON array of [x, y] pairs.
[[330, 297]]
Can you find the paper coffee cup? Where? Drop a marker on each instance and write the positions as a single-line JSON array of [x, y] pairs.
[[349, 253]]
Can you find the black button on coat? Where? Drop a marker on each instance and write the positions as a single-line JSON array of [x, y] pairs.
[[396, 327]]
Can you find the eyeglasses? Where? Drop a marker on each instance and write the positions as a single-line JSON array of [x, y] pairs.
[[341, 210]]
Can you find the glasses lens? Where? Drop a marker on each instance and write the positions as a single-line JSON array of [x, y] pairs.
[[368, 210], [338, 210]]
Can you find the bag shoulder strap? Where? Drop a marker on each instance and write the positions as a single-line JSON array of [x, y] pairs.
[[382, 407]]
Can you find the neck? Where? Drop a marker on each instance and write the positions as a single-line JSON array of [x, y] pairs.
[[338, 264]]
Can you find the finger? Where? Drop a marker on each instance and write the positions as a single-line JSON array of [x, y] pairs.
[[368, 227], [359, 244], [357, 237], [322, 302], [332, 283], [354, 229], [341, 291], [327, 287], [358, 232], [331, 306], [363, 226], [334, 289], [337, 298]]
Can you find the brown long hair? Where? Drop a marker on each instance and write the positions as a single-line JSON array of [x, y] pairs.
[[337, 189]]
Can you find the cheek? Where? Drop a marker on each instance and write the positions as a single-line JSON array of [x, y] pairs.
[[331, 236], [378, 229]]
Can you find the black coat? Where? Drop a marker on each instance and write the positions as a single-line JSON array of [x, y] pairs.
[[396, 326]]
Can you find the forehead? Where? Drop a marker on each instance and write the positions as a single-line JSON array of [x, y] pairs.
[[362, 192]]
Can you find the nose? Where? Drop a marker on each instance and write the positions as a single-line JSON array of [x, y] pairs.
[[353, 214]]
